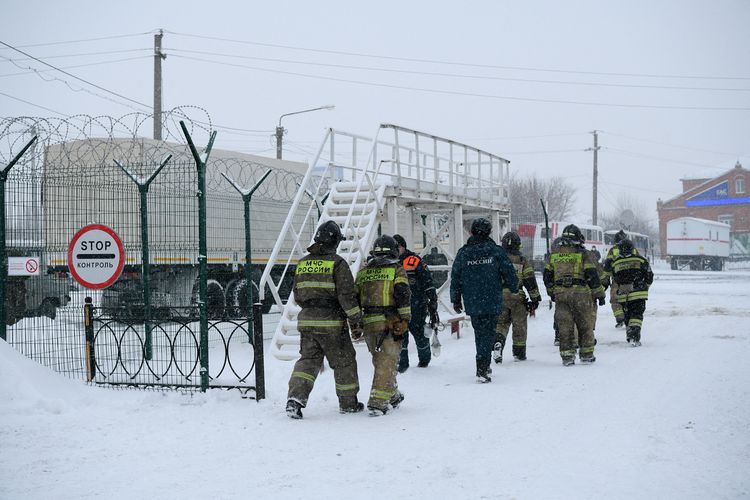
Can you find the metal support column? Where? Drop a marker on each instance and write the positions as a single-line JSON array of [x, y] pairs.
[[200, 163]]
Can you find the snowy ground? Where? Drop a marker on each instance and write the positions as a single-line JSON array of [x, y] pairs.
[[667, 420]]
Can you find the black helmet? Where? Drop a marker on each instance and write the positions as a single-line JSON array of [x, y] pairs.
[[400, 241], [511, 242], [573, 235], [619, 236], [328, 234], [385, 245], [626, 247], [481, 227]]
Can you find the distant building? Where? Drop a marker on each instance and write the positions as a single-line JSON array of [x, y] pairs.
[[725, 198]]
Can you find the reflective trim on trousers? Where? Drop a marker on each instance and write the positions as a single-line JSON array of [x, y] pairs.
[[304, 376]]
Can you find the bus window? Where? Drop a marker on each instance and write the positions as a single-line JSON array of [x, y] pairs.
[[609, 239]]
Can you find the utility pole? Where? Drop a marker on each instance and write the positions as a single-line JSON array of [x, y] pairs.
[[158, 56], [595, 149], [279, 138]]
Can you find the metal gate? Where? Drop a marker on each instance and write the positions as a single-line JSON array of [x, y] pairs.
[[185, 312]]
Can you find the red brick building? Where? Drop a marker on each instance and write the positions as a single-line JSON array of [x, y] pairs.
[[725, 198]]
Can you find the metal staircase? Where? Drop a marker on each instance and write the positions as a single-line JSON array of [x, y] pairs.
[[399, 181]]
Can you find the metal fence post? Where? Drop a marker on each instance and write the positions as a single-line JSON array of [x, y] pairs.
[[88, 323], [200, 164], [3, 251], [145, 264]]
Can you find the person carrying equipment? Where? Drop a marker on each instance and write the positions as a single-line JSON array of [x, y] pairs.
[[423, 300], [383, 291], [516, 307]]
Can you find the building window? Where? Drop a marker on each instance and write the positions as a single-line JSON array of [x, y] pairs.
[[727, 219], [739, 185]]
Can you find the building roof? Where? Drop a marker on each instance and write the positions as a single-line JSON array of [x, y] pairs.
[[704, 185]]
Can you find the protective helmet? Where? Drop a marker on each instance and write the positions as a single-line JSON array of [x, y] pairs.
[[328, 234], [481, 227], [619, 236], [385, 245], [626, 247], [400, 241], [511, 242], [572, 234]]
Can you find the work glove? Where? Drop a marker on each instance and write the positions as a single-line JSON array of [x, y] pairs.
[[551, 297], [434, 319], [458, 308], [532, 305], [357, 329], [601, 301]]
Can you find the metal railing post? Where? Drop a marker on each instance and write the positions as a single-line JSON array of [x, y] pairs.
[[145, 264], [200, 164], [260, 372], [88, 324], [3, 250]]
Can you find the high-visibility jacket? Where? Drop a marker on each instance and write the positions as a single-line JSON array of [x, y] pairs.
[[525, 275], [383, 291], [324, 289], [632, 274], [572, 268]]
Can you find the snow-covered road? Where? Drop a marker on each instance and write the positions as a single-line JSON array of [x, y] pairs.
[[667, 420]]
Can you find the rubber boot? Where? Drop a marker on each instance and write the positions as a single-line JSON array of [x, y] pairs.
[[497, 349], [519, 352]]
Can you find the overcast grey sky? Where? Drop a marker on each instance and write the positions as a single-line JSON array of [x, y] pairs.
[[521, 73]]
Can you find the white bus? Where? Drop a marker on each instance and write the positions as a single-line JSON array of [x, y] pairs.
[[593, 235], [640, 242]]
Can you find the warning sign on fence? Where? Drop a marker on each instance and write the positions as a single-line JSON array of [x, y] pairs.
[[23, 266], [96, 256]]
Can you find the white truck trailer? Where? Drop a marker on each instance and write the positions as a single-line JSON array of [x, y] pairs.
[[697, 244]]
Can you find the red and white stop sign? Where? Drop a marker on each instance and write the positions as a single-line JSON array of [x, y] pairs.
[[96, 256]]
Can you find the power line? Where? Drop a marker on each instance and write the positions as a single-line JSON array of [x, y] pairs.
[[112, 37], [455, 63], [543, 152], [110, 61], [525, 136], [454, 75], [32, 104], [76, 77], [85, 54], [470, 94], [671, 145], [657, 158], [637, 188]]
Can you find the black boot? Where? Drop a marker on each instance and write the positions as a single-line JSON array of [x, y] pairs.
[[633, 334], [519, 352], [483, 374]]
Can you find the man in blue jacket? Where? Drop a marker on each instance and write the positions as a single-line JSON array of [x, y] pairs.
[[479, 271]]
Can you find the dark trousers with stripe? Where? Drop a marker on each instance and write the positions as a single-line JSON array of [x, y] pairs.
[[634, 310]]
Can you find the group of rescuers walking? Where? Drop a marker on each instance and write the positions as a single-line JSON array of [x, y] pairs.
[[393, 293]]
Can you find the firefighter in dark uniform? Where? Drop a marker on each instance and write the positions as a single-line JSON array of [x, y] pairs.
[[479, 271], [324, 289], [423, 300], [515, 306], [633, 276], [571, 279], [607, 280], [383, 291]]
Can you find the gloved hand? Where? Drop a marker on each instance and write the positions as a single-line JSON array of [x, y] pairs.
[[552, 297], [458, 308], [533, 305], [357, 329], [601, 301], [434, 319]]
